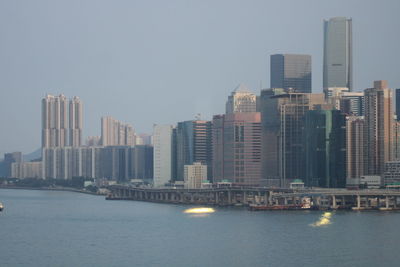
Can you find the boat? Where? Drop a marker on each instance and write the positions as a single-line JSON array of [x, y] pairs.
[[1, 206]]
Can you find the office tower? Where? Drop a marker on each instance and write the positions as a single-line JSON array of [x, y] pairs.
[[193, 144], [9, 159], [194, 175], [325, 148], [270, 130], [291, 71], [351, 103], [378, 127], [283, 124], [116, 133], [398, 104], [75, 122], [241, 100], [237, 148], [338, 62], [355, 147], [162, 141], [54, 121]]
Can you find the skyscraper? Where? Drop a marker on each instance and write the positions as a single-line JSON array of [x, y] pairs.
[[355, 147], [54, 121], [398, 103], [241, 100], [193, 144], [291, 71], [378, 127], [338, 65], [325, 148], [162, 140], [237, 148], [282, 134], [75, 122]]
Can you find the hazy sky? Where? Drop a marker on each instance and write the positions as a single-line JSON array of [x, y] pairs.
[[146, 62]]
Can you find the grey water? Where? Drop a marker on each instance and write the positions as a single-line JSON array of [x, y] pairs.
[[52, 228]]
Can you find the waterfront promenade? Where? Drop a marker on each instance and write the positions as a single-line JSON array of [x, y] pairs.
[[381, 199]]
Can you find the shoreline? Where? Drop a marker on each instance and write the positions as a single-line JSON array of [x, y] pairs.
[[65, 189]]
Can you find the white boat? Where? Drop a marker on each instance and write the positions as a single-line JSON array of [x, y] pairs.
[[1, 206]]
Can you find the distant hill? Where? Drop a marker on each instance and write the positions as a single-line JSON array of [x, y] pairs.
[[34, 155]]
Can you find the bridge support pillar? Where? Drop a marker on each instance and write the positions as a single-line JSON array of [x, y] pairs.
[[334, 202]]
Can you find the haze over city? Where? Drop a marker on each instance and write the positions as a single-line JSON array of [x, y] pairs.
[[163, 62]]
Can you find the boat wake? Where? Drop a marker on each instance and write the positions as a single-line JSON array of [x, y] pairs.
[[324, 220]]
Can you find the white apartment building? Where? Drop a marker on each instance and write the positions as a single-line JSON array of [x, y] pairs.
[[162, 157]]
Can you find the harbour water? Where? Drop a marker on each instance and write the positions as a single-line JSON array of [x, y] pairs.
[[53, 228]]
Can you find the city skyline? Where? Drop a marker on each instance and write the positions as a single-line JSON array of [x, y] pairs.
[[107, 93]]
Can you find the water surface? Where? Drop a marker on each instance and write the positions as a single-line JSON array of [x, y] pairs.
[[52, 228]]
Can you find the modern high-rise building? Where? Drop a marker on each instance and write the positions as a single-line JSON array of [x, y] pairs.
[[396, 140], [378, 127], [75, 122], [116, 133], [54, 121], [142, 162], [355, 147], [291, 71], [117, 163], [398, 103], [282, 131], [162, 141], [325, 148], [338, 62], [193, 144], [237, 148], [351, 103], [270, 127], [61, 121], [241, 100]]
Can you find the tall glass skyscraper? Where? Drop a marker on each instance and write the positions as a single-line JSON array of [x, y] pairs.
[[291, 71], [338, 63]]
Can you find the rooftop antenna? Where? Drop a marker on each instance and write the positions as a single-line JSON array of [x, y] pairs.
[[198, 117]]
